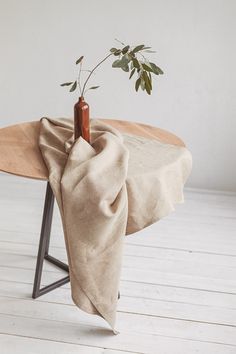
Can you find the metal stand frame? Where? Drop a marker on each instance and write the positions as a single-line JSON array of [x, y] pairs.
[[44, 249]]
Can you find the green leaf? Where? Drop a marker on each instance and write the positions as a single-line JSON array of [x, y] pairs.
[[79, 60], [117, 52], [125, 68], [149, 51], [148, 90], [129, 56], [93, 87], [125, 60], [117, 64], [146, 79], [73, 87], [122, 63], [67, 83], [136, 63], [138, 48], [150, 79], [160, 71], [147, 82], [132, 54], [146, 67], [112, 50], [147, 63], [156, 69], [125, 49], [142, 83], [137, 84], [132, 73]]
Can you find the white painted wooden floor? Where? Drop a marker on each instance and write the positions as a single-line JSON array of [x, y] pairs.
[[178, 285]]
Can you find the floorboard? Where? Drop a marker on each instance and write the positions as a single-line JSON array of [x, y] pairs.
[[178, 282]]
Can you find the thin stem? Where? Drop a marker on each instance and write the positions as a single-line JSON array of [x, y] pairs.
[[142, 55], [119, 41], [79, 78], [82, 93]]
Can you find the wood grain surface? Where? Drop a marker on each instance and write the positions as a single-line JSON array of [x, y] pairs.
[[20, 154]]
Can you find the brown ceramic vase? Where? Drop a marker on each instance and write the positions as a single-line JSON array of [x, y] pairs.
[[81, 120]]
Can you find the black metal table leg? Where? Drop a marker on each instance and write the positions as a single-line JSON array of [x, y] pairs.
[[44, 249]]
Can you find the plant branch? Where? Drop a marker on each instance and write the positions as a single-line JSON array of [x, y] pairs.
[[109, 55], [80, 78]]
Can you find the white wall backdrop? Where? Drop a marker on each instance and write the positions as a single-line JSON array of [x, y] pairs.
[[195, 43]]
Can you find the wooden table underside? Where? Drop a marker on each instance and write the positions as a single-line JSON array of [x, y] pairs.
[[20, 154]]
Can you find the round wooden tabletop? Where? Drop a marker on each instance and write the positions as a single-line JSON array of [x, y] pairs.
[[20, 154]]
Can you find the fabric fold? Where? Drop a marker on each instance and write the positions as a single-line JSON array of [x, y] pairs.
[[113, 187], [88, 182]]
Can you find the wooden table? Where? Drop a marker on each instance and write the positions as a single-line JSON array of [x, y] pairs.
[[20, 155]]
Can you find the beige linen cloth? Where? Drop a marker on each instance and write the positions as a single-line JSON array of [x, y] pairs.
[[113, 187]]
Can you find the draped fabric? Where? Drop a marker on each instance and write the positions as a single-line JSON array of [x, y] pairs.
[[114, 186]]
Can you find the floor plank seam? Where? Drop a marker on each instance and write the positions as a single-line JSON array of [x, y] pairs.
[[136, 332]]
